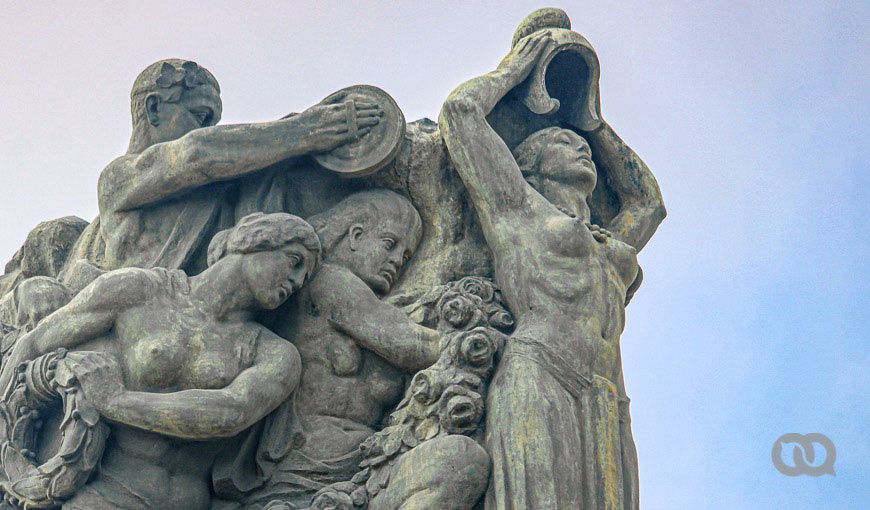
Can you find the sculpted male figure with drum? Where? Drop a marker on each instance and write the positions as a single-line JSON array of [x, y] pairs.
[[339, 310]]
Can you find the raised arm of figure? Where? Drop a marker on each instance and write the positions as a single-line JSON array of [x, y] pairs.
[[483, 161], [90, 314], [196, 414], [642, 207], [218, 153], [356, 311]]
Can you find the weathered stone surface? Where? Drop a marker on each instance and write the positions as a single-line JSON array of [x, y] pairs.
[[440, 331], [44, 253]]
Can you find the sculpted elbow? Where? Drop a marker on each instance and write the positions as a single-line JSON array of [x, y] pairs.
[[233, 421], [458, 106], [659, 212]]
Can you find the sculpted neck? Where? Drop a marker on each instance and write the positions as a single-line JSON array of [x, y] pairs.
[[566, 197], [222, 292]]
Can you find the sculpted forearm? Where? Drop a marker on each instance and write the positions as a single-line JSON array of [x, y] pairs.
[[201, 157], [642, 206], [62, 329], [483, 91], [484, 163], [384, 329], [396, 339], [189, 414], [225, 152], [204, 414]]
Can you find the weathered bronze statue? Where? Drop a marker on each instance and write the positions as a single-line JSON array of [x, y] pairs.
[[172, 360], [162, 201], [567, 282], [457, 347]]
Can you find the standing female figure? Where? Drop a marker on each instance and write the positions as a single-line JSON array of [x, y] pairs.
[[557, 417]]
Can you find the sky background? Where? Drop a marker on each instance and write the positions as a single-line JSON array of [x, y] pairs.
[[752, 319]]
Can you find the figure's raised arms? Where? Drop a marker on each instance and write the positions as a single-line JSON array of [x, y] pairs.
[[483, 161], [641, 206]]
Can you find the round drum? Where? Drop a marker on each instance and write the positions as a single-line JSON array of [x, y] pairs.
[[378, 147]]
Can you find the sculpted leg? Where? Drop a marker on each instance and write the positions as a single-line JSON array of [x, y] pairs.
[[534, 434], [87, 499], [448, 472]]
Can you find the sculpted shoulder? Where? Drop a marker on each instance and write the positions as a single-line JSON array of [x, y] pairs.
[[114, 176], [125, 287], [335, 284]]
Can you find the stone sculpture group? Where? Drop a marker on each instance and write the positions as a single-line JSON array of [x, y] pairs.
[[440, 331]]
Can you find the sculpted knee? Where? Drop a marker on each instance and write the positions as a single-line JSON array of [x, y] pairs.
[[469, 463]]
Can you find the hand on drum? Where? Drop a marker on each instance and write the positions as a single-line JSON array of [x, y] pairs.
[[332, 125]]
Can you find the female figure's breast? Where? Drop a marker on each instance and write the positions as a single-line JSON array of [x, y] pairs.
[[153, 354]]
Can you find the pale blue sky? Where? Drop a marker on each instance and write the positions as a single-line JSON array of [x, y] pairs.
[[752, 320]]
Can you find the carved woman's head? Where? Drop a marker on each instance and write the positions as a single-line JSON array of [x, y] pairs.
[[276, 253], [35, 298], [556, 154], [170, 98], [372, 233]]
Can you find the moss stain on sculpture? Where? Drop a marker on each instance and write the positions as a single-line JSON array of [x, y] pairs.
[[236, 369]]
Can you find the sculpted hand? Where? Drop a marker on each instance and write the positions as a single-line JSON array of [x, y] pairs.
[[99, 376], [329, 126], [519, 62]]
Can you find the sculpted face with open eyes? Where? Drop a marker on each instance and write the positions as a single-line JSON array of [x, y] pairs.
[[373, 234]]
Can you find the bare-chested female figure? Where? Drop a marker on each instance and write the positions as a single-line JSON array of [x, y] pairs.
[[356, 351], [172, 361], [557, 419]]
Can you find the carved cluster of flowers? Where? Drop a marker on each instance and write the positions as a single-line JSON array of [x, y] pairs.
[[446, 398]]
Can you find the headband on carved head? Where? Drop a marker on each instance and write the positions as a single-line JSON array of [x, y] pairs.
[[172, 72]]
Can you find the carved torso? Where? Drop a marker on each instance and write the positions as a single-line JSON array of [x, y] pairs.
[[339, 378], [165, 345], [578, 304]]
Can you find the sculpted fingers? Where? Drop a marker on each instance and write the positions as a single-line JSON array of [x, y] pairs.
[[535, 45], [338, 123], [364, 105], [339, 97], [367, 121]]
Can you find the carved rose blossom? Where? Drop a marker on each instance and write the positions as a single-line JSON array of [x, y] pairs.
[[332, 499], [476, 348], [425, 388], [478, 287], [456, 309], [461, 410], [501, 319]]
